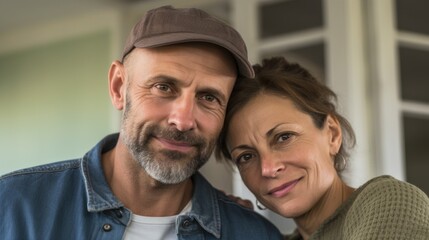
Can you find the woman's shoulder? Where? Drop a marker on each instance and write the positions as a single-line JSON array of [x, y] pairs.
[[388, 194], [385, 206], [389, 189]]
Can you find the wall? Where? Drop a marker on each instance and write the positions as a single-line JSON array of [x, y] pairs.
[[54, 100]]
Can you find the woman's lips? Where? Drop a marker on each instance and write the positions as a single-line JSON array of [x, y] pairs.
[[283, 189]]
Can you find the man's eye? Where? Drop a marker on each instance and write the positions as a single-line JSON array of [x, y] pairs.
[[209, 98], [163, 87]]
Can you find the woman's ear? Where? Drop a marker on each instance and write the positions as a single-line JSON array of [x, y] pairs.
[[334, 134], [117, 84]]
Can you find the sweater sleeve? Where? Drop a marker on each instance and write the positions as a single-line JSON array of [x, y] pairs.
[[389, 209]]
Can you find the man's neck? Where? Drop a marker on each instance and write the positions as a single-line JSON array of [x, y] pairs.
[[139, 192]]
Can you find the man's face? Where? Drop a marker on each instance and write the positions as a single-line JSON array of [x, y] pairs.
[[175, 102]]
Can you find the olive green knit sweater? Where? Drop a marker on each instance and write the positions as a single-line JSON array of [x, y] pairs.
[[383, 208]]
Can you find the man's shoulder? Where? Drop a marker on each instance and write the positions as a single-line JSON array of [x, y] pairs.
[[39, 187], [250, 221], [206, 193], [44, 168], [236, 220], [232, 206], [41, 174]]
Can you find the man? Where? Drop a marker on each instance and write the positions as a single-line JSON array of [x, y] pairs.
[[173, 83]]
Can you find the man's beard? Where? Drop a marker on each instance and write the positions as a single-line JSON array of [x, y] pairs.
[[165, 166]]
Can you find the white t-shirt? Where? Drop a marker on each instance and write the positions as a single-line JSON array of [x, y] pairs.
[[142, 227]]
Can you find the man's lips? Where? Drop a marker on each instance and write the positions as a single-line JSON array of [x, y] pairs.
[[283, 189], [175, 145]]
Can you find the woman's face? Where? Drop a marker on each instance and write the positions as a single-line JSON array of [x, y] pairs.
[[283, 158]]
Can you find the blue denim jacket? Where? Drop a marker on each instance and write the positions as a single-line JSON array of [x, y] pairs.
[[72, 200]]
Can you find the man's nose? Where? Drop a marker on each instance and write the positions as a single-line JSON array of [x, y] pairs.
[[182, 115]]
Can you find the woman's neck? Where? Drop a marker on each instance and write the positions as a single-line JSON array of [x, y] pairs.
[[309, 222]]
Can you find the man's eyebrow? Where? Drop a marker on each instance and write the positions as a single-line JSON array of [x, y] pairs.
[[165, 78]]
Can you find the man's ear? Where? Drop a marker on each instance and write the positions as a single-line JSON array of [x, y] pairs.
[[335, 135], [117, 84]]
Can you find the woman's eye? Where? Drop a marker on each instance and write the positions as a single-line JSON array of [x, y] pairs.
[[284, 137], [244, 158]]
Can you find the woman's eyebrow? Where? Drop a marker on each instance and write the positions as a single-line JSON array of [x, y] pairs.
[[243, 146], [270, 132]]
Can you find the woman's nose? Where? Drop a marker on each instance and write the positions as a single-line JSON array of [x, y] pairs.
[[271, 166], [182, 115]]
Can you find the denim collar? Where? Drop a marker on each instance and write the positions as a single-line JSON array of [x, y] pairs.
[[205, 206], [100, 196]]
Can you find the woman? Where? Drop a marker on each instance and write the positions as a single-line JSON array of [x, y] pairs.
[[290, 144]]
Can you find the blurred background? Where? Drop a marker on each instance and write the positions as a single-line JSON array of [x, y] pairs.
[[55, 54]]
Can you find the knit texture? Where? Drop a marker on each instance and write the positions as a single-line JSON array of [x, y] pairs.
[[382, 208]]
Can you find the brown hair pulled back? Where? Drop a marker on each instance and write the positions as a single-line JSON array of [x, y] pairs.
[[279, 77]]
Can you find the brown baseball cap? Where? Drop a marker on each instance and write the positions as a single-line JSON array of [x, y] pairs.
[[167, 25]]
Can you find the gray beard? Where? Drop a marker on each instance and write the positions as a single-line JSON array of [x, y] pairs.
[[170, 170], [165, 166]]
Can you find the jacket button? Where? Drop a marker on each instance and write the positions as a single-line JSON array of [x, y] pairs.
[[186, 223], [107, 227]]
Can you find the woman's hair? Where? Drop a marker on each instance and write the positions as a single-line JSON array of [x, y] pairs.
[[279, 77]]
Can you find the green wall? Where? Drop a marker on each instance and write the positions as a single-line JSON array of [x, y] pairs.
[[54, 102]]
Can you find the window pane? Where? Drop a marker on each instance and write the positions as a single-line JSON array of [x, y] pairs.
[[416, 133], [414, 74], [412, 15], [280, 17], [311, 57]]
